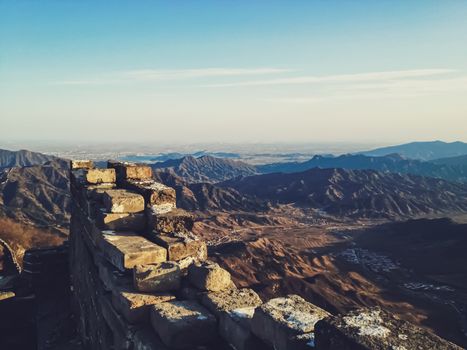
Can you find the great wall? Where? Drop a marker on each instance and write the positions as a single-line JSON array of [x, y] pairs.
[[141, 280]]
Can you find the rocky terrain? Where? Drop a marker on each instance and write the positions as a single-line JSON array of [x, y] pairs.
[[357, 193], [451, 169], [205, 168]]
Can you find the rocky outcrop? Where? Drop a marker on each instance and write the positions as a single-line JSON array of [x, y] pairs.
[[149, 284]]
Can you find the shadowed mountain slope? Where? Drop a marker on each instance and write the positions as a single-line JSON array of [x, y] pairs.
[[452, 170], [9, 159], [357, 193], [205, 169], [423, 150]]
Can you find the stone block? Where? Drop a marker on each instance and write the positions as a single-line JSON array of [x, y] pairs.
[[234, 327], [135, 306], [176, 220], [374, 329], [121, 331], [230, 299], [183, 324], [146, 339], [120, 222], [209, 276], [161, 277], [81, 164], [126, 250], [111, 277], [155, 194], [98, 176], [182, 245], [123, 201], [281, 319], [137, 172]]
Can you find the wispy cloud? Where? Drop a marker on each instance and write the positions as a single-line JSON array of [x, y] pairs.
[[146, 75], [342, 78], [402, 88]]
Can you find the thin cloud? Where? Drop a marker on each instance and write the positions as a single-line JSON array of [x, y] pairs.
[[147, 75], [342, 78], [404, 88]]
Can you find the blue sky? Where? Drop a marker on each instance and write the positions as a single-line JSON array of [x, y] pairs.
[[234, 71]]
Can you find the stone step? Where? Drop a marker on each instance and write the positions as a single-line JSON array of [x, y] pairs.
[[287, 323], [162, 277], [181, 245], [176, 220], [120, 221], [126, 250], [134, 306], [235, 328], [209, 276], [183, 324], [154, 193], [122, 201], [219, 302], [374, 329]]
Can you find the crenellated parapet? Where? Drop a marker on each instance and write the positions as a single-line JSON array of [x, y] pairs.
[[142, 280]]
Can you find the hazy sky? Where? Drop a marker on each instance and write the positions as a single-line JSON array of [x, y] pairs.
[[234, 71]]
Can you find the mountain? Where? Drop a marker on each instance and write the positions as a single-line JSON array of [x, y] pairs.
[[207, 196], [452, 170], [36, 194], [205, 169], [423, 150], [357, 193], [9, 159], [456, 161]]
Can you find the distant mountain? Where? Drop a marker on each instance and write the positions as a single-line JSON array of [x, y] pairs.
[[456, 161], [37, 194], [357, 193], [9, 159], [205, 169], [423, 150], [207, 197], [390, 163]]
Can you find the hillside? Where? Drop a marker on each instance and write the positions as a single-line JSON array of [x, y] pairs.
[[37, 195], [448, 170], [357, 193], [422, 150], [22, 158], [205, 169], [207, 197], [457, 161]]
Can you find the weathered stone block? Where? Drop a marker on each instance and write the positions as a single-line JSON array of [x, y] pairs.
[[81, 164], [125, 250], [182, 245], [183, 324], [146, 339], [111, 277], [98, 176], [123, 201], [121, 331], [154, 193], [120, 222], [137, 172], [234, 327], [209, 276], [374, 329], [280, 319], [161, 277], [135, 306], [230, 299], [176, 220]]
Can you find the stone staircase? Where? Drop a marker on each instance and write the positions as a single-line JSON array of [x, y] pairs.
[[142, 280]]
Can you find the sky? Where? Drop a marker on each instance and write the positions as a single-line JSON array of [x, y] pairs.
[[233, 71]]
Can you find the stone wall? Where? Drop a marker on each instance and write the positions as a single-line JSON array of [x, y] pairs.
[[142, 280]]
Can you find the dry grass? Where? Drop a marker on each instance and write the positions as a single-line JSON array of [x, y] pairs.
[[22, 237]]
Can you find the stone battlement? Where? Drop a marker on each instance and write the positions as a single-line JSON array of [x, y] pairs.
[[142, 280]]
